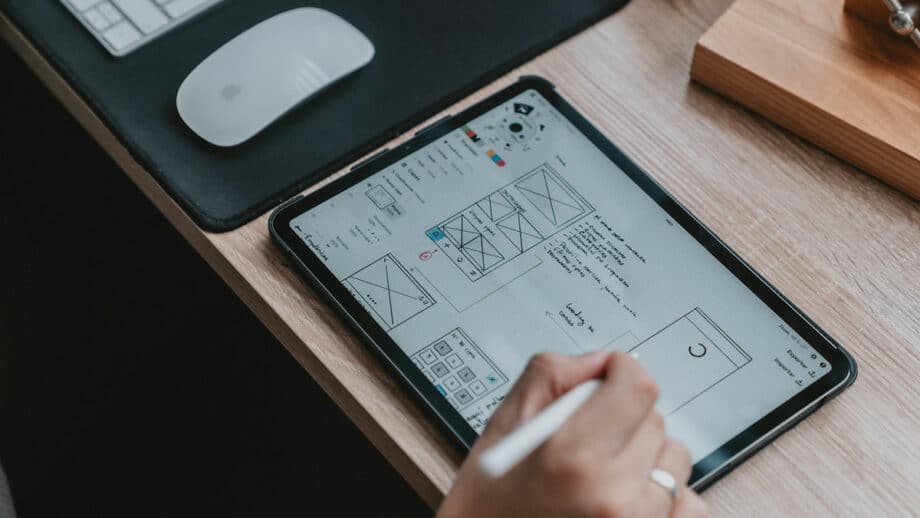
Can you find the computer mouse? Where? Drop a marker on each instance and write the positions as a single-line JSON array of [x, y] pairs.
[[266, 71]]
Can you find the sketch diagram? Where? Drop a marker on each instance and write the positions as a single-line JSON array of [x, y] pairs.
[[557, 202], [472, 244], [509, 221], [689, 357], [388, 290], [520, 232], [496, 206]]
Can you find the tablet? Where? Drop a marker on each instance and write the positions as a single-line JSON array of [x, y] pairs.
[[516, 228]]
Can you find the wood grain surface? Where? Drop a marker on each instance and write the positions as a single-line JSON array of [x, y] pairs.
[[840, 244], [825, 74], [873, 11]]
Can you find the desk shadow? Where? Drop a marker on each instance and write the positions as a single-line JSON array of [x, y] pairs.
[[132, 381]]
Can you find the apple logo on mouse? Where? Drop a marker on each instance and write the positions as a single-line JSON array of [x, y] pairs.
[[230, 91]]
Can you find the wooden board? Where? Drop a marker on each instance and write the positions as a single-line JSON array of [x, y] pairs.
[[873, 11], [842, 246], [828, 76]]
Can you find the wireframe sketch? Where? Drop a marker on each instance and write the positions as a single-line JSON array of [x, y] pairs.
[[389, 291], [472, 243], [496, 206], [520, 232], [551, 196], [509, 221]]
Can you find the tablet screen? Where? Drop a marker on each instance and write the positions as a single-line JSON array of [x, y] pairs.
[[513, 235]]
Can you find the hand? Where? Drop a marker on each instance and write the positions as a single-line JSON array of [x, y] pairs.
[[597, 464]]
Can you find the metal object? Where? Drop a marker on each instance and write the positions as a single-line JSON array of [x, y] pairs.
[[905, 18]]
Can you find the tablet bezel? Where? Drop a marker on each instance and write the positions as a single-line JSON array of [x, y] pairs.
[[707, 470]]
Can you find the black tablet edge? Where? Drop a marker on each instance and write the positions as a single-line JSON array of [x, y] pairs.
[[707, 470], [408, 379]]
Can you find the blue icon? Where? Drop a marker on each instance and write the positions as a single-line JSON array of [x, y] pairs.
[[436, 234], [441, 390]]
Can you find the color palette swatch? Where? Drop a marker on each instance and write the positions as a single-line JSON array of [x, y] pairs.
[[495, 158], [472, 135]]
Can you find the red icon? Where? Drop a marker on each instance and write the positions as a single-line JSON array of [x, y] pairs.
[[426, 255]]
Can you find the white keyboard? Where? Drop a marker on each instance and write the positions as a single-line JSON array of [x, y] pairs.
[[124, 25]]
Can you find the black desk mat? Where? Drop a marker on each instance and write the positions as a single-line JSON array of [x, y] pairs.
[[429, 54]]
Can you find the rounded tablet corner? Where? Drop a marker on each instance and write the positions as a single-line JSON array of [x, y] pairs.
[[853, 367], [273, 217], [538, 82]]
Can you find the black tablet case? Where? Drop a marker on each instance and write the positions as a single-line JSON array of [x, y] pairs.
[[429, 53]]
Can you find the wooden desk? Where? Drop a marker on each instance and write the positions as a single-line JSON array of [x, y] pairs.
[[841, 245]]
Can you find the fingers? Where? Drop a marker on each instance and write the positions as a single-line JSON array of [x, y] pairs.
[[675, 459], [546, 377], [608, 420], [688, 504], [641, 455]]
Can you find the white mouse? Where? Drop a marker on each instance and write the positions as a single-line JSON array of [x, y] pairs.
[[263, 73]]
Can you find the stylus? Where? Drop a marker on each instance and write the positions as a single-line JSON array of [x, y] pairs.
[[501, 457]]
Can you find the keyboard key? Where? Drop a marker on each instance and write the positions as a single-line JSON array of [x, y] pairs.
[[143, 13], [121, 35], [95, 18], [148, 18], [82, 5], [111, 14], [178, 8]]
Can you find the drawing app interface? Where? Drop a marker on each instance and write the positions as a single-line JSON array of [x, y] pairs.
[[515, 235]]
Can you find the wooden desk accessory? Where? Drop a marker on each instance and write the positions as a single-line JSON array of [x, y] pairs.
[[835, 74]]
